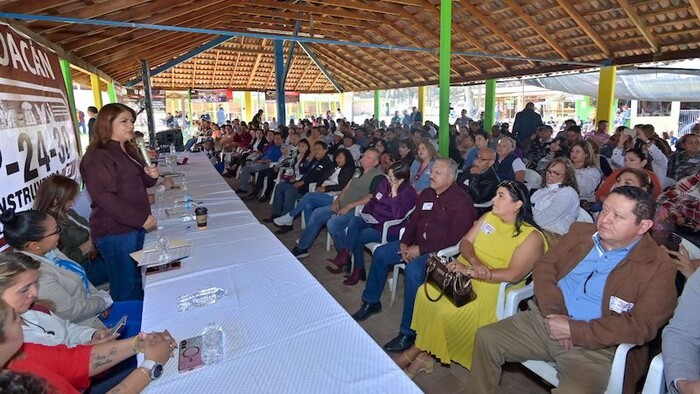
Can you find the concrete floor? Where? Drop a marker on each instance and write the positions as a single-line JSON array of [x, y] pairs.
[[453, 379]]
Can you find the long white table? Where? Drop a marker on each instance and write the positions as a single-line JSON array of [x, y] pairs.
[[284, 332]]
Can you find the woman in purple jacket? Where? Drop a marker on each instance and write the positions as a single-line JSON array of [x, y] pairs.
[[116, 178], [392, 200]]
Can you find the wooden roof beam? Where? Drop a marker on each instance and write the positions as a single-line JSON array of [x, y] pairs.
[[255, 67], [260, 22], [301, 8], [216, 63], [89, 47], [549, 38], [355, 5], [102, 10], [339, 69], [695, 5], [585, 26], [489, 24], [291, 18], [176, 17], [371, 70], [303, 75], [456, 28], [637, 21]]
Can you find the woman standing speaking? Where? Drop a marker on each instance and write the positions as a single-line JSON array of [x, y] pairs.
[[116, 178]]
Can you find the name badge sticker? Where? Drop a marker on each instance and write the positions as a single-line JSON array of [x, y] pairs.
[[379, 196], [487, 228], [427, 206], [618, 305]]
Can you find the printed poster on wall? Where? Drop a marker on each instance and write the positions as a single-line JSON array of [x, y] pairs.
[[37, 136]]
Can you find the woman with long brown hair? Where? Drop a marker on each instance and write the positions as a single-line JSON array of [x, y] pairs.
[[116, 178]]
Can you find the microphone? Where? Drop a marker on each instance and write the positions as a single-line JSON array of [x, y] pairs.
[[143, 150]]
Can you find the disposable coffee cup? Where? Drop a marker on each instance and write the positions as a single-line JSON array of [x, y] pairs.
[[201, 216]]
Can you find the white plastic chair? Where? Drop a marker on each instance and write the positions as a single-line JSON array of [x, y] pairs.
[[486, 204], [584, 216], [372, 246], [533, 179], [655, 382]]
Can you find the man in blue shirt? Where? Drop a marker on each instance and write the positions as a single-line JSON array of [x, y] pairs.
[[272, 155], [600, 286]]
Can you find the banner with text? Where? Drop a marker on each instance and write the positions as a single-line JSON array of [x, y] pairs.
[[37, 136]]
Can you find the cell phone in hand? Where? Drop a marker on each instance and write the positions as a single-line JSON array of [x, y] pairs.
[[190, 354], [673, 242], [118, 326]]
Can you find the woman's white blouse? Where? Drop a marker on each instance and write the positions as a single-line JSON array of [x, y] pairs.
[[555, 208]]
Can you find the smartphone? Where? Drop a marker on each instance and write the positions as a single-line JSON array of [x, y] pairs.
[[673, 242], [118, 326], [190, 354]]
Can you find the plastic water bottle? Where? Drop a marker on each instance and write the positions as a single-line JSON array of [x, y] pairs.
[[172, 149], [212, 344], [162, 244]]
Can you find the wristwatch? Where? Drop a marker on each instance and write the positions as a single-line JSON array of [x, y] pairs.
[[153, 368]]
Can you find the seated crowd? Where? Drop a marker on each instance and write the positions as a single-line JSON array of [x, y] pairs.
[[513, 206], [516, 211]]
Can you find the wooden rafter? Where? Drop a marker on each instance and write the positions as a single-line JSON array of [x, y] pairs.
[[175, 17], [303, 74], [585, 26], [92, 47], [255, 67], [456, 27], [355, 5], [639, 24], [309, 9], [216, 63], [549, 38], [235, 68], [286, 16], [349, 62]]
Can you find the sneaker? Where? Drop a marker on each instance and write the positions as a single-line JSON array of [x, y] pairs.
[[284, 220], [300, 253], [270, 219]]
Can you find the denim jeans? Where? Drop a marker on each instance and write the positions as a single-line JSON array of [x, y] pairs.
[[285, 197], [124, 275], [309, 202], [248, 169], [354, 236], [319, 217], [385, 257]]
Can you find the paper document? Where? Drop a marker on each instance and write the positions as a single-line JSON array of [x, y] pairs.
[[369, 219]]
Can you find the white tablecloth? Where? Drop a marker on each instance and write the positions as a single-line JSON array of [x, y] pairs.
[[284, 332]]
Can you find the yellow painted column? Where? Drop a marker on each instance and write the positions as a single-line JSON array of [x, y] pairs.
[[342, 103], [422, 90], [96, 91], [606, 94], [248, 101]]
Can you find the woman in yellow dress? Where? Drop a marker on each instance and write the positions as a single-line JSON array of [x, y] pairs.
[[502, 247]]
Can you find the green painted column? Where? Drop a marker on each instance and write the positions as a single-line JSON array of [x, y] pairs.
[[445, 53], [112, 93], [377, 104], [490, 105], [68, 78]]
